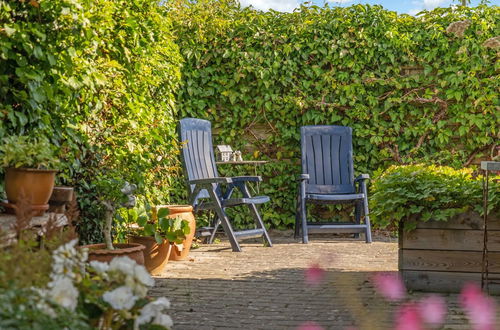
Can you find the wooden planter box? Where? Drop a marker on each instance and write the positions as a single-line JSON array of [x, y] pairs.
[[441, 256]]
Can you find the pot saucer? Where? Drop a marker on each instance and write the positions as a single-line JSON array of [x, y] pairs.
[[37, 210]]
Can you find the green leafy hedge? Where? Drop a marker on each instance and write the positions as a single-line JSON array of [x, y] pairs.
[[410, 90], [429, 192], [97, 77]]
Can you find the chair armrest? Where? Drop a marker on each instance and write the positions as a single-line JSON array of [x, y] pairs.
[[211, 180], [246, 178], [362, 177], [303, 177]]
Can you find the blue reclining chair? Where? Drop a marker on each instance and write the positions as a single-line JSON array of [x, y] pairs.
[[208, 191], [328, 178]]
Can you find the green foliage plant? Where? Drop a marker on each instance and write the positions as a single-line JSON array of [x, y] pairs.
[[23, 151], [114, 194], [411, 90], [427, 192], [154, 221]]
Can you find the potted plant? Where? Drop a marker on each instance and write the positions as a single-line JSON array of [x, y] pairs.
[[160, 232], [115, 194], [438, 213], [30, 168]]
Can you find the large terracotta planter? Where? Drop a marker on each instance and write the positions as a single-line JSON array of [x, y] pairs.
[[155, 255], [98, 252], [31, 186], [185, 212]]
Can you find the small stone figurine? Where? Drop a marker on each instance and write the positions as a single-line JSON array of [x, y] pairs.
[[237, 156], [128, 190]]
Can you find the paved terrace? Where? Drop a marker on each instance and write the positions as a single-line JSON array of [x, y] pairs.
[[264, 288]]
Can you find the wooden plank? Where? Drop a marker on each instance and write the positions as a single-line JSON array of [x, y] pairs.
[[468, 220], [454, 261], [449, 282], [453, 239]]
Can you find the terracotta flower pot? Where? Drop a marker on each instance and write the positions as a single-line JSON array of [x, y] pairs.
[[185, 212], [98, 252], [155, 255], [30, 186]]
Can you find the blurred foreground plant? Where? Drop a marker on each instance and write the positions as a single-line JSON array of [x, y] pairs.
[[428, 312], [46, 283]]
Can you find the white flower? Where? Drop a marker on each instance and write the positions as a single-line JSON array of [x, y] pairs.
[[137, 287], [123, 264], [153, 310], [142, 275], [68, 262], [121, 298], [100, 267], [163, 320], [161, 302], [64, 293]]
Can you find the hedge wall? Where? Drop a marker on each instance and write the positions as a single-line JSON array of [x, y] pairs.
[[412, 88], [97, 77]]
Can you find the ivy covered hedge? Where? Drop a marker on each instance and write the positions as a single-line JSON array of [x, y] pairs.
[[97, 77], [412, 88], [425, 192]]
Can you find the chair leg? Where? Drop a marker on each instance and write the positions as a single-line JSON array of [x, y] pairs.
[[216, 224], [256, 215], [368, 233], [260, 223], [303, 212], [297, 218], [357, 214], [223, 218]]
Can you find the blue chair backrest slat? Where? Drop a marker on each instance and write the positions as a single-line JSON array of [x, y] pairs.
[[327, 158]]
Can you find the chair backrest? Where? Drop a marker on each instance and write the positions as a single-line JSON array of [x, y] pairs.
[[327, 158], [197, 150]]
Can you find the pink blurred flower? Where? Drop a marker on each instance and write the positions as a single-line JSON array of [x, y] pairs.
[[314, 275], [389, 285], [310, 325], [433, 310], [480, 309], [408, 318]]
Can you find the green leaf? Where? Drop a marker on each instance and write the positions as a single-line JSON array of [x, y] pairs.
[[158, 238], [163, 212]]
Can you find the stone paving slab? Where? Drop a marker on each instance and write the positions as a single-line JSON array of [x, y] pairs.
[[264, 288]]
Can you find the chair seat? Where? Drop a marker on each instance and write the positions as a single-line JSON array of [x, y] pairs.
[[330, 197], [250, 200]]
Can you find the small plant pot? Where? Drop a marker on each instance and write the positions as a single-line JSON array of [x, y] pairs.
[[185, 212], [30, 186], [155, 255], [98, 252], [61, 196]]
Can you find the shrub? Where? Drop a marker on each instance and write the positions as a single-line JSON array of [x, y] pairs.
[[96, 78], [426, 191]]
